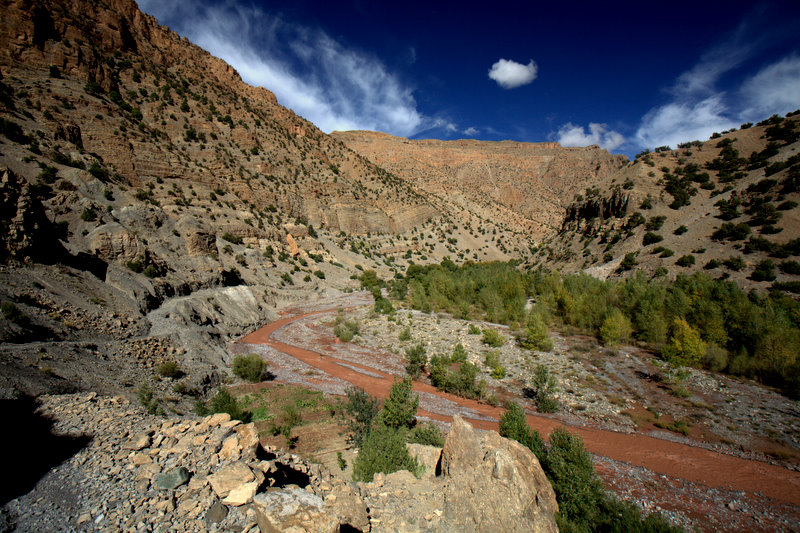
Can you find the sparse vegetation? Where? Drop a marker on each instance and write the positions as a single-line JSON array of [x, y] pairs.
[[250, 367]]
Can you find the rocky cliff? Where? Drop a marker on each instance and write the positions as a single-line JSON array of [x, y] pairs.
[[525, 186], [105, 81]]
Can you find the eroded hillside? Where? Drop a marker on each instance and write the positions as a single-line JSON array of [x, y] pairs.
[[727, 206], [525, 186]]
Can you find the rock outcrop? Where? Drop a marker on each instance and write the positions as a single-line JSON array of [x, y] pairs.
[[481, 480]]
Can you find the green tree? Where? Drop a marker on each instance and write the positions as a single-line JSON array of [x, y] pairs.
[[384, 450], [416, 359], [543, 387], [400, 408], [685, 347], [514, 425], [361, 410], [616, 328]]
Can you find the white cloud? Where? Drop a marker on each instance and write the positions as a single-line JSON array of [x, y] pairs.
[[333, 86], [471, 131], [571, 135], [774, 89], [509, 74], [675, 122]]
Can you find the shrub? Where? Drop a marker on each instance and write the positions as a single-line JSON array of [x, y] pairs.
[[764, 271], [492, 338], [680, 230], [616, 328], [428, 434], [400, 408], [320, 274], [361, 410], [790, 267], [89, 215], [383, 306], [473, 330], [150, 271], [169, 369], [345, 330], [731, 232], [655, 223], [235, 239], [459, 354], [685, 260], [543, 387], [148, 400], [224, 402], [250, 367], [416, 359], [405, 335], [651, 238], [734, 262], [628, 262], [384, 450]]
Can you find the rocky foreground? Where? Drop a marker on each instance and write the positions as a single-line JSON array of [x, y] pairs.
[[137, 472]]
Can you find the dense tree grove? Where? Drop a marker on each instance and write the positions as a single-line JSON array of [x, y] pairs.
[[694, 320]]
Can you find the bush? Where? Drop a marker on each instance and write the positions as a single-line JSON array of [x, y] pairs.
[[250, 367], [790, 267], [235, 239], [169, 369], [685, 260], [543, 387], [473, 330], [734, 262], [428, 434], [383, 306], [88, 215], [384, 450], [405, 335], [651, 238], [416, 359], [680, 230], [764, 271], [400, 408], [628, 262], [224, 402], [345, 330], [361, 410], [459, 354], [148, 400], [492, 338], [320, 274]]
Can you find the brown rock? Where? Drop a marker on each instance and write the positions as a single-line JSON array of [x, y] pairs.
[[242, 494], [293, 509], [229, 477], [504, 481]]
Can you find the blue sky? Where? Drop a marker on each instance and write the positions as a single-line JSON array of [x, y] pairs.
[[624, 75]]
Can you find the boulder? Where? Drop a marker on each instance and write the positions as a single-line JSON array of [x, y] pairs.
[[172, 479], [293, 509], [490, 480], [229, 477]]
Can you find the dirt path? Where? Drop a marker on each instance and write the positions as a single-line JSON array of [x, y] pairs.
[[660, 456]]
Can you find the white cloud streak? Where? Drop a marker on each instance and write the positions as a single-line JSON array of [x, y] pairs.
[[571, 135], [509, 74], [333, 86], [697, 107]]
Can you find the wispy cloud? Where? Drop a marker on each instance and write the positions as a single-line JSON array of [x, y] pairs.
[[471, 131], [698, 107], [571, 135], [509, 74], [774, 89], [330, 84]]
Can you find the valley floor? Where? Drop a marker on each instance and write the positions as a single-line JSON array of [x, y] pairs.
[[685, 477]]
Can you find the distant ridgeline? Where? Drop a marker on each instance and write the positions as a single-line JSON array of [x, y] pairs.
[[692, 321]]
